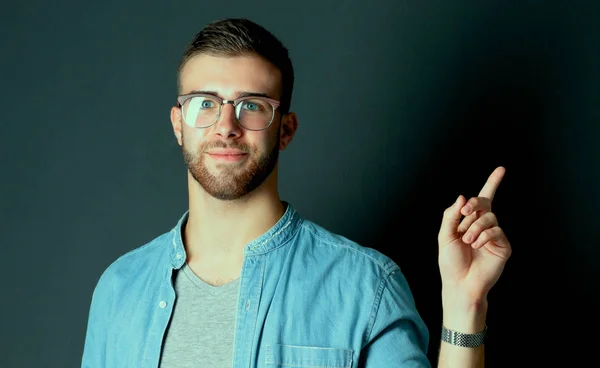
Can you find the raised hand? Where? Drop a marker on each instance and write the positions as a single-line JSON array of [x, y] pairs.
[[473, 252]]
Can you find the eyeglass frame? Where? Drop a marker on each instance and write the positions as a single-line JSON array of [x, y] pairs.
[[181, 99]]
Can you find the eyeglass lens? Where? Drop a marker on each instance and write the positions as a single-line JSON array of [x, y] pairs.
[[202, 111]]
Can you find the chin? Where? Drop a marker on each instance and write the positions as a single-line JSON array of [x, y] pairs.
[[230, 182]]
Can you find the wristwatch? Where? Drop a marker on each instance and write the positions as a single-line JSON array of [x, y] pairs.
[[462, 339]]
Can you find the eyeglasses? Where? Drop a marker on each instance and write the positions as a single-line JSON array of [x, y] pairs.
[[200, 110]]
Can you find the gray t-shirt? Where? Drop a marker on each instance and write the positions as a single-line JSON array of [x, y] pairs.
[[202, 326]]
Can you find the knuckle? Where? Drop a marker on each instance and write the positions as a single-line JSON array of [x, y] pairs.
[[484, 204], [498, 231], [508, 251], [491, 218], [475, 228]]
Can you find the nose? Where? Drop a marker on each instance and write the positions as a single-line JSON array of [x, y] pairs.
[[226, 125]]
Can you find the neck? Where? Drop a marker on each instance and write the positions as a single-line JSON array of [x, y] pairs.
[[218, 230]]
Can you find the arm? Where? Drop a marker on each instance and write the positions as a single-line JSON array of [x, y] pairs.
[[397, 336], [472, 255], [95, 339], [467, 318]]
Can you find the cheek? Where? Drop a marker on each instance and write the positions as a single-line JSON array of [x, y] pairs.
[[269, 142], [274, 135], [194, 140]]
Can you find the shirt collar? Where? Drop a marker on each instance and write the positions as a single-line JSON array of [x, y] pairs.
[[276, 236]]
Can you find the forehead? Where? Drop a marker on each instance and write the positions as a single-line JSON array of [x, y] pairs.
[[228, 75]]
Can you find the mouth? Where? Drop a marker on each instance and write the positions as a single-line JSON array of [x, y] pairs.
[[230, 157]]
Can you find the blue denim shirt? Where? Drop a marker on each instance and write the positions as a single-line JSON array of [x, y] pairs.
[[307, 298]]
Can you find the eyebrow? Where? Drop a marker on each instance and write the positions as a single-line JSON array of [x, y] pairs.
[[239, 94]]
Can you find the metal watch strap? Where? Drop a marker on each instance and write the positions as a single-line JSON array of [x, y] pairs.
[[462, 339]]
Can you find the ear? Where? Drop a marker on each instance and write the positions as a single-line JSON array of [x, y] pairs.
[[289, 125], [176, 122]]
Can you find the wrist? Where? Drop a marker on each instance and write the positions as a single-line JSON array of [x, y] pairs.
[[463, 312]]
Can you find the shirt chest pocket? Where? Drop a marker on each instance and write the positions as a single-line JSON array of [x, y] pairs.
[[281, 355]]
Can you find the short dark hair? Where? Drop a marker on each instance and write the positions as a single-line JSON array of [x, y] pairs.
[[238, 37]]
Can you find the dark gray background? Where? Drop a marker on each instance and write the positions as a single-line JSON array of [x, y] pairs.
[[402, 106]]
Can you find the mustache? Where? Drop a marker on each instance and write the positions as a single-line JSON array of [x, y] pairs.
[[219, 144]]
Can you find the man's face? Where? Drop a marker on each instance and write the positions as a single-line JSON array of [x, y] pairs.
[[208, 151]]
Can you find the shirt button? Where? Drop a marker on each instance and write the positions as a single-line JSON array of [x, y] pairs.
[[162, 304], [247, 304], [178, 256]]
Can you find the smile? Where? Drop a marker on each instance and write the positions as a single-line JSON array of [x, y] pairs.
[[227, 157]]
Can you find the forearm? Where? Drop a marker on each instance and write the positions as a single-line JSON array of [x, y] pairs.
[[466, 316]]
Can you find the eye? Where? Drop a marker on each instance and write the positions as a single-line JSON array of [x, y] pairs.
[[249, 105], [207, 104]]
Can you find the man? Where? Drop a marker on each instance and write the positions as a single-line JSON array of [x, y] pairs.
[[242, 279]]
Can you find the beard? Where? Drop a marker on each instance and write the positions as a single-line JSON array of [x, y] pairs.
[[232, 181]]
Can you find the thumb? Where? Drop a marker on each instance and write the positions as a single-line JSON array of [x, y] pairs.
[[450, 221]]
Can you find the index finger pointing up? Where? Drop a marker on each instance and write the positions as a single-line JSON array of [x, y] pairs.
[[489, 189]]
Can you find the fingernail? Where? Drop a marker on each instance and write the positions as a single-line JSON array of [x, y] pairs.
[[468, 238], [468, 209]]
